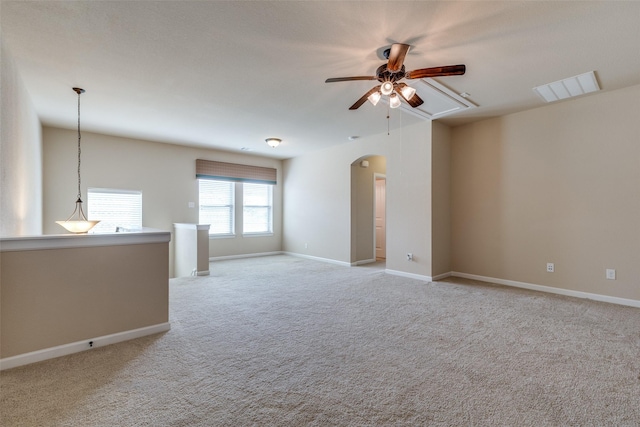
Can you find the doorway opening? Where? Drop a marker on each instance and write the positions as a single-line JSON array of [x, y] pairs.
[[368, 211], [380, 214]]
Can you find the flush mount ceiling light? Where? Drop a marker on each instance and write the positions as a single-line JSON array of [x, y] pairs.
[[77, 221], [568, 88], [273, 142]]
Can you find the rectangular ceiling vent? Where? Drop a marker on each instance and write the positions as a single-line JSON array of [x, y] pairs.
[[569, 87], [439, 100]]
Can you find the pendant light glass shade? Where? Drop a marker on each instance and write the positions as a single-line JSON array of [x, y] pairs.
[[79, 224], [374, 98], [394, 101], [77, 221]]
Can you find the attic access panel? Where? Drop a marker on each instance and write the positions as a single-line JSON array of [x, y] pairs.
[[439, 101]]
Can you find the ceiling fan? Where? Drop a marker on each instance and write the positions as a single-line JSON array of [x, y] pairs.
[[390, 74]]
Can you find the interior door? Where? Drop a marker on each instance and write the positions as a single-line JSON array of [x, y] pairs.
[[380, 214]]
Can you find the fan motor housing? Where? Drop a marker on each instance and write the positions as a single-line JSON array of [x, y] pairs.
[[383, 74]]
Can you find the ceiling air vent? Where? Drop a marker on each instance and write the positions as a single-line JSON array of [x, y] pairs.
[[569, 87]]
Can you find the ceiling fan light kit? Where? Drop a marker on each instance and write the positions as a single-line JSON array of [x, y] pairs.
[[390, 75], [374, 98], [386, 88], [408, 92], [394, 101]]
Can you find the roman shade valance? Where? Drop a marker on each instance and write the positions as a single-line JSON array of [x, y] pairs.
[[220, 171]]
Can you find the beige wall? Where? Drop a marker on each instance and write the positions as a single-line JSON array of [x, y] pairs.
[[20, 155], [164, 173], [362, 207], [317, 205], [56, 297], [441, 200], [559, 184]]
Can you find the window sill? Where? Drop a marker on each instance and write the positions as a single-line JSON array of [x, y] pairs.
[[257, 234], [221, 236]]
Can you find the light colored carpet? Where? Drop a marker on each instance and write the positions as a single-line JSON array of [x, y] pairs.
[[287, 341]]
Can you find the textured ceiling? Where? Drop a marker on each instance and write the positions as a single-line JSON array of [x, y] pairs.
[[227, 75]]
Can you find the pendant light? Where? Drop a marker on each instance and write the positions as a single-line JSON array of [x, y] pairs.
[[77, 222]]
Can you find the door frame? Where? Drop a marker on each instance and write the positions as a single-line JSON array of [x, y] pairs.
[[379, 176]]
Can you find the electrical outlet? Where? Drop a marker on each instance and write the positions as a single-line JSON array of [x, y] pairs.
[[551, 267], [306, 245], [409, 256], [611, 274]]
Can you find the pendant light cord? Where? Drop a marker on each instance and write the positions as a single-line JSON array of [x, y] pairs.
[[79, 137]]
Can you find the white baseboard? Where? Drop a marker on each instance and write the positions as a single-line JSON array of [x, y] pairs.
[[550, 289], [315, 258], [363, 262], [78, 346], [409, 275], [441, 276], [221, 258]]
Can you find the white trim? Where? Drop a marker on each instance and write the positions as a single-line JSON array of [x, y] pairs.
[[409, 275], [66, 241], [363, 262], [192, 226], [222, 258], [78, 346], [381, 176], [441, 276], [258, 234], [203, 273], [549, 289], [315, 258]]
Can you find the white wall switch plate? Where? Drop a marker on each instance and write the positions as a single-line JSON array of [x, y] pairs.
[[611, 274], [551, 267]]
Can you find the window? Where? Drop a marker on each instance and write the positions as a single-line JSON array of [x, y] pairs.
[[114, 208], [257, 208], [217, 200]]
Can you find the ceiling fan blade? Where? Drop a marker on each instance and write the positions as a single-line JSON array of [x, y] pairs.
[[448, 70], [414, 101], [396, 56], [347, 79], [362, 100]]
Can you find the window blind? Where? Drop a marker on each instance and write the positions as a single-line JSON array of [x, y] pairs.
[[217, 205], [114, 208], [257, 208], [220, 171]]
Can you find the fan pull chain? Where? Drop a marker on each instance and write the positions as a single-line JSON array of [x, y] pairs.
[[388, 114]]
